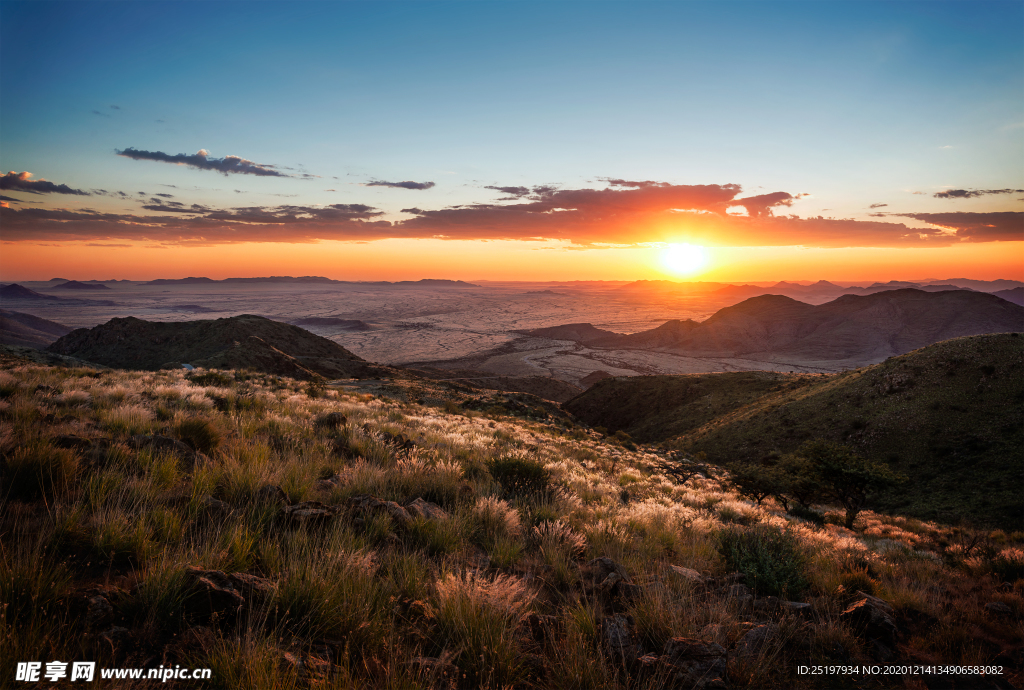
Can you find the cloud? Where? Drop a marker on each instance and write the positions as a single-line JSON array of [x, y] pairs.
[[984, 227], [96, 112], [400, 185], [876, 206], [115, 107], [762, 204], [8, 198], [167, 196], [619, 215], [970, 194], [106, 244], [22, 182], [615, 182], [511, 191], [201, 161]]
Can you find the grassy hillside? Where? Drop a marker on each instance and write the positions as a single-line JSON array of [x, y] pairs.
[[242, 523], [950, 416], [655, 408]]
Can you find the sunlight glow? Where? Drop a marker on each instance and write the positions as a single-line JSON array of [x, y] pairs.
[[684, 258]]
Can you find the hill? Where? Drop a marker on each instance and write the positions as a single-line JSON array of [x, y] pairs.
[[1015, 295], [346, 324], [384, 538], [949, 416], [78, 285], [852, 330], [20, 292], [26, 330], [239, 342]]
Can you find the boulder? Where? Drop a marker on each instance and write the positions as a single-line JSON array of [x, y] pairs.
[[274, 495], [214, 508], [330, 420], [99, 612], [216, 594], [619, 638], [873, 619], [329, 483], [117, 637], [694, 664], [998, 609], [165, 444], [426, 510], [364, 506], [688, 575], [308, 513], [754, 641]]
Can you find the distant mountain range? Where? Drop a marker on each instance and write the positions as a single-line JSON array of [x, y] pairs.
[[19, 293], [77, 285], [240, 342], [815, 293], [852, 330], [315, 280]]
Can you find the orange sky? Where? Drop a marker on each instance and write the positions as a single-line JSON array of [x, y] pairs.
[[411, 259]]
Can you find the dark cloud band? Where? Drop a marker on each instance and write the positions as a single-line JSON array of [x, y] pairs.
[[201, 160], [22, 182], [408, 184]]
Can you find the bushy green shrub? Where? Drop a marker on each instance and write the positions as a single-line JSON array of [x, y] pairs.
[[770, 558], [201, 434], [211, 378], [519, 475], [39, 470]]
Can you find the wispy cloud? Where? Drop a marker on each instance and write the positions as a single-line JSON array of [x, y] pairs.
[[878, 205], [201, 160], [400, 185], [971, 193], [22, 182]]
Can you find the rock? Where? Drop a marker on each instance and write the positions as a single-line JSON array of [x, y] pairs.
[[694, 663], [363, 506], [330, 483], [308, 512], [219, 594], [117, 637], [426, 510], [215, 508], [618, 636], [754, 641], [271, 494], [254, 589], [873, 619], [998, 609], [736, 591], [688, 575], [400, 441], [99, 612], [330, 420], [649, 662], [213, 596], [796, 607], [166, 444]]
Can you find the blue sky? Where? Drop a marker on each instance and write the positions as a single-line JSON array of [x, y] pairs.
[[850, 103]]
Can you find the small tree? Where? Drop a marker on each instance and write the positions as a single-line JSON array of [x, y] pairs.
[[800, 480], [850, 478], [758, 481]]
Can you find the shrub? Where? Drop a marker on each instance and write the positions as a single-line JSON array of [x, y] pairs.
[[211, 378], [476, 619], [201, 434], [39, 470], [805, 513], [519, 476], [770, 558]]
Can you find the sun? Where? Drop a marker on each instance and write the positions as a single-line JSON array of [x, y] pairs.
[[684, 258]]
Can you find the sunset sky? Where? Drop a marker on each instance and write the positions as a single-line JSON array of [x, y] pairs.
[[512, 140]]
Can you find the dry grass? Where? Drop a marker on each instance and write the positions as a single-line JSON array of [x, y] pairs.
[[362, 603]]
